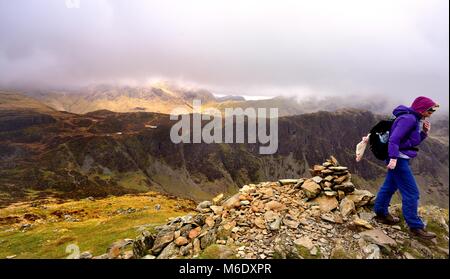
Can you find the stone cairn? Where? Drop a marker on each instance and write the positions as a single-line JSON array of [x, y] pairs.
[[270, 220]]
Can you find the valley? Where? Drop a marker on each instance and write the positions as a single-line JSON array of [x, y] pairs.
[[45, 152]]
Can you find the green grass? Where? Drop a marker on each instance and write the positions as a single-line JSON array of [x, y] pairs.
[[32, 193], [433, 226], [96, 231], [104, 176], [134, 181], [177, 185], [51, 241], [407, 248]]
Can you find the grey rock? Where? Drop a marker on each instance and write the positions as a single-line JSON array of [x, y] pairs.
[[117, 248], [162, 239], [346, 187], [204, 207], [330, 193], [86, 255], [169, 252], [373, 251], [187, 219], [329, 217], [317, 179], [275, 225], [199, 219], [204, 204], [143, 244], [366, 216], [184, 231], [378, 237], [208, 239], [185, 250]]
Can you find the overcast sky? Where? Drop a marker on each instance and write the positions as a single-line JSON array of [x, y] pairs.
[[374, 48]]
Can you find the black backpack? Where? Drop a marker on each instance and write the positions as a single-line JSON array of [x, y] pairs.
[[379, 138]]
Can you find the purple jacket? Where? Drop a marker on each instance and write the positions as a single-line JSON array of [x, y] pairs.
[[405, 132]]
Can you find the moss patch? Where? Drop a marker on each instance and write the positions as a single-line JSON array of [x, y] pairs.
[[342, 254], [134, 180], [435, 227], [305, 253], [216, 251]]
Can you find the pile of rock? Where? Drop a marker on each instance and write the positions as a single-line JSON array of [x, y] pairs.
[[331, 187], [320, 217]]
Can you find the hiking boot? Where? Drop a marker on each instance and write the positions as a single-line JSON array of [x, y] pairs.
[[388, 219], [421, 233]]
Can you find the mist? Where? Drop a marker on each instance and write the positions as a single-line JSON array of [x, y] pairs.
[[395, 50]]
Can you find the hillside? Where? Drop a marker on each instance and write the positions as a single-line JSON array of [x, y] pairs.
[[45, 227], [160, 98], [323, 217], [103, 152], [164, 96]]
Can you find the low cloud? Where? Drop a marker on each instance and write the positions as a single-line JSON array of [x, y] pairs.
[[297, 48]]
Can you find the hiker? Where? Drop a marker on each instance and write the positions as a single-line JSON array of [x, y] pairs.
[[409, 129]]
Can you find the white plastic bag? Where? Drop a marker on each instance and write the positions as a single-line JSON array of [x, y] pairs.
[[361, 147]]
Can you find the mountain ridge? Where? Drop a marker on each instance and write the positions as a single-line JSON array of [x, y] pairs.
[[163, 97], [105, 152]]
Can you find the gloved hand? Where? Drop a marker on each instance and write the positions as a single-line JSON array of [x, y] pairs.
[[426, 126], [392, 164]]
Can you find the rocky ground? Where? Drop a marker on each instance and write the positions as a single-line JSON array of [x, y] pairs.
[[320, 217]]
